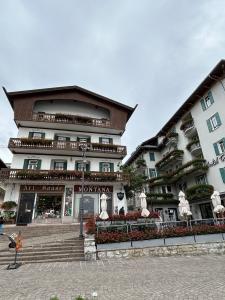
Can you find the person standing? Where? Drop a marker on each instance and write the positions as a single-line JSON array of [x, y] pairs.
[[1, 224]]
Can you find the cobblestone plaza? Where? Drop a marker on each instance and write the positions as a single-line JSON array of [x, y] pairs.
[[191, 278]]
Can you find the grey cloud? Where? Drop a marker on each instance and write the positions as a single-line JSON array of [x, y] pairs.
[[146, 52]]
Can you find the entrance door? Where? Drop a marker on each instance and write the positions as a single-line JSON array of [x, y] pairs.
[[88, 206], [206, 210], [25, 211]]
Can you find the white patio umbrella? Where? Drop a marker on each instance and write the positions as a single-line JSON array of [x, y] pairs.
[[216, 201], [184, 207], [145, 212], [103, 215]]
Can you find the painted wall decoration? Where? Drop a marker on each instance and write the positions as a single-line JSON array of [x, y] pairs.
[[68, 202]]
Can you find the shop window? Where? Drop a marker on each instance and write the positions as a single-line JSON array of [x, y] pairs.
[[32, 164]]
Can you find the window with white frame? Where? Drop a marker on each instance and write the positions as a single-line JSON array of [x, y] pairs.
[[59, 165], [221, 146], [152, 173], [32, 164], [214, 122], [82, 165], [105, 140], [37, 135], [166, 189], [106, 167], [201, 179]]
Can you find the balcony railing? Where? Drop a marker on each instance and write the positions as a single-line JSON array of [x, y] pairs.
[[171, 157], [193, 166], [71, 119], [64, 175], [26, 143]]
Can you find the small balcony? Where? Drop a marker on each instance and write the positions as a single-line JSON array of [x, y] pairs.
[[163, 198], [189, 128], [195, 148], [44, 146], [21, 175], [170, 159], [171, 139], [69, 122]]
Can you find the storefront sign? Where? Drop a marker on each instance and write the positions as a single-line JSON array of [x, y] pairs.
[[216, 160], [42, 188], [94, 189]]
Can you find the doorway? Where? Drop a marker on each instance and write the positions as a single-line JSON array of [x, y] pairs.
[[206, 210], [25, 211]]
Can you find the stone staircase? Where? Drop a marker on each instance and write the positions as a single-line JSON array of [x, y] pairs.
[[44, 244]]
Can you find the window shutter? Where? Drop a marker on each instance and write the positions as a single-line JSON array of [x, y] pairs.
[[76, 166], [88, 140], [203, 104], [210, 97], [87, 167], [223, 139], [110, 140], [65, 165], [111, 167], [100, 166], [222, 172], [209, 125], [216, 149], [218, 119], [25, 164], [43, 135], [56, 137], [100, 140], [68, 139], [30, 136], [39, 164]]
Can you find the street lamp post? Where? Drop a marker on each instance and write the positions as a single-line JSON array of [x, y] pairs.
[[83, 148]]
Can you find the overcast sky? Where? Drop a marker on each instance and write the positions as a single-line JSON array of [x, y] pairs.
[[150, 53]]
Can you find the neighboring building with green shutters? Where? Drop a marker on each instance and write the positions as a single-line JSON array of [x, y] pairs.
[[45, 177], [188, 153]]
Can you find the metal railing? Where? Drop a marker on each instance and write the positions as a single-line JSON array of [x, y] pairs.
[[192, 238]]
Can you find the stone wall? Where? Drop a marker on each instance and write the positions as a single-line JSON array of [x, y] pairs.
[[89, 248], [191, 249]]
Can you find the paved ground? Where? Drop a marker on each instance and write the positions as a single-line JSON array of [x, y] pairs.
[[177, 278]]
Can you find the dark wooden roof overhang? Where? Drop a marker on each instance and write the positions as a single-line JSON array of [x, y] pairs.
[[57, 90]]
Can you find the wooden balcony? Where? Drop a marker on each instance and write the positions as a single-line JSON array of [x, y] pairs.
[[33, 146], [16, 175], [70, 122]]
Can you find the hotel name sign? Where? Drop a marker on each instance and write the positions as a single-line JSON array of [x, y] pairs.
[[94, 189], [215, 161], [42, 188]]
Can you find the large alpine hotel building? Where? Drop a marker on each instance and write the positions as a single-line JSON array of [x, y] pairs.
[[188, 153], [45, 176]]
